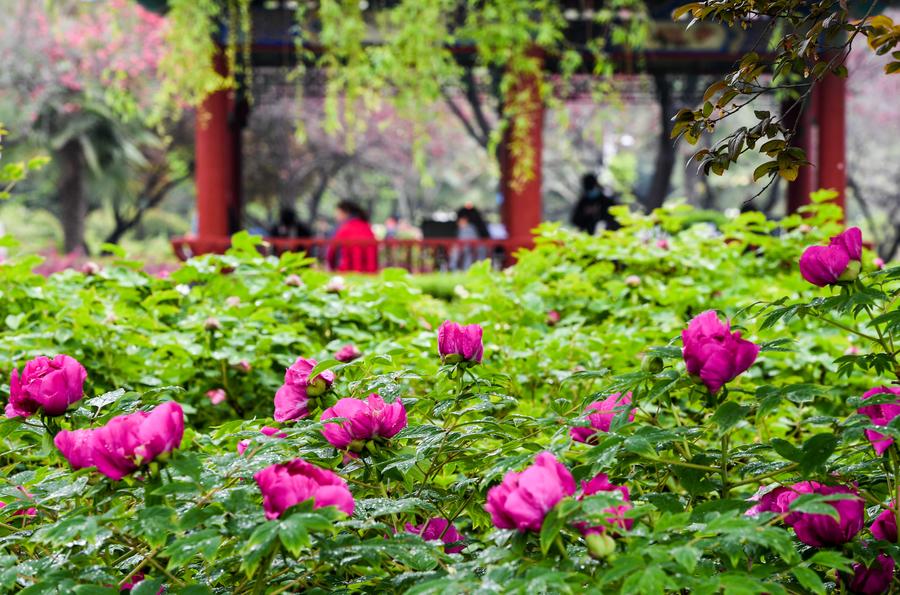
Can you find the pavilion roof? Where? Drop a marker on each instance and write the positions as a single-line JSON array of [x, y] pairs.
[[704, 48]]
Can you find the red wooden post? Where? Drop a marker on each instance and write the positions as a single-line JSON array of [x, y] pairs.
[[799, 190], [216, 163], [832, 111], [522, 210]]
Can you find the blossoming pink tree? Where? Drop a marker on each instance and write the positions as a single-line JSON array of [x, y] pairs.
[[78, 82]]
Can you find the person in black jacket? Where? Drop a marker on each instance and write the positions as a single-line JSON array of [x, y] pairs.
[[593, 206]]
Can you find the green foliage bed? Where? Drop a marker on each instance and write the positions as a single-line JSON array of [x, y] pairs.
[[193, 521]]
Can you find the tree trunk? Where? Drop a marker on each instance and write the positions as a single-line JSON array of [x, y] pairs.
[[665, 155], [71, 195]]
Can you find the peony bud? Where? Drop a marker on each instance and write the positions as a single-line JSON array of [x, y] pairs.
[[212, 324], [600, 545], [216, 396], [652, 364], [632, 280], [293, 280], [347, 353], [458, 343]]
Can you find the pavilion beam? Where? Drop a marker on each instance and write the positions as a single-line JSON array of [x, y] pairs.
[[832, 121], [520, 181]]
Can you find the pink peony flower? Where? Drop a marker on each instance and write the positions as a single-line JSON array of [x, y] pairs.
[[839, 261], [439, 529], [878, 262], [553, 318], [601, 414], [524, 498], [244, 366], [821, 530], [870, 580], [216, 396], [880, 415], [458, 343], [126, 442], [777, 500], [45, 384], [598, 484], [713, 353], [364, 420], [286, 484], [292, 399], [347, 353], [266, 431], [884, 526], [30, 511]]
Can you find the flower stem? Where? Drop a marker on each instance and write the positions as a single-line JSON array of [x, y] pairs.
[[261, 582]]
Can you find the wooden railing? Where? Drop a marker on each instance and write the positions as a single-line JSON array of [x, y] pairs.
[[416, 256]]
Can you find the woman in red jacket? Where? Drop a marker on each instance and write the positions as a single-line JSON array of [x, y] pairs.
[[360, 253]]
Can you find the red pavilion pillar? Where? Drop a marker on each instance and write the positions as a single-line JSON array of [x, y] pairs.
[[217, 161], [522, 210], [799, 190], [832, 120]]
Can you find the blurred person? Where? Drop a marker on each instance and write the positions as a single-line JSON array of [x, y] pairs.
[[593, 206], [473, 217], [390, 228], [470, 225], [353, 227], [289, 225]]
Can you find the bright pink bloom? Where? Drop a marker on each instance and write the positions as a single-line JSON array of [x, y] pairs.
[[347, 353], [363, 421], [524, 498], [601, 414], [553, 318], [126, 442], [458, 343], [713, 353], [266, 431], [827, 265], [880, 415], [777, 500], [292, 399], [439, 529], [286, 484], [50, 385], [216, 396], [878, 262], [884, 526], [870, 580], [601, 483], [30, 511], [821, 530]]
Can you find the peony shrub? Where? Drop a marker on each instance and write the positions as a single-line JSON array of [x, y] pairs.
[[722, 425]]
